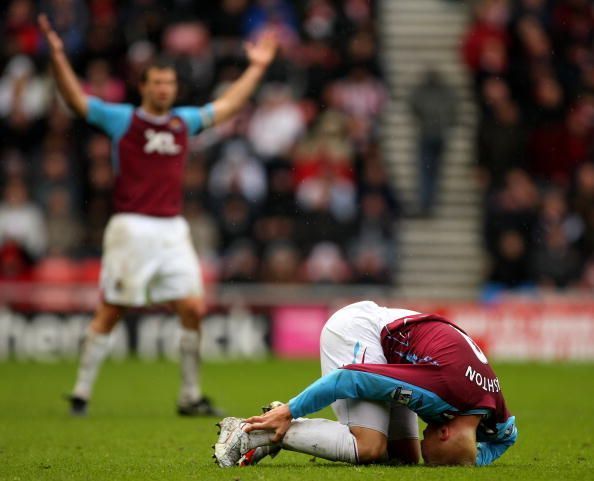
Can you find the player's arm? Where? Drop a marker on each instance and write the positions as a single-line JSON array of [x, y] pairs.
[[340, 384], [66, 79], [260, 54], [489, 451]]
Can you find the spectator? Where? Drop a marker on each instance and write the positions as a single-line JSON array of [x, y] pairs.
[[326, 265], [24, 100], [189, 43], [240, 263], [69, 18], [64, 231], [501, 143], [21, 221], [362, 97], [277, 14], [238, 172], [433, 103], [100, 83], [20, 29], [203, 229], [276, 124], [556, 263], [281, 264], [511, 265]]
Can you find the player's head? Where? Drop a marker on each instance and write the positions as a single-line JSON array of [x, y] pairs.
[[451, 444], [158, 86]]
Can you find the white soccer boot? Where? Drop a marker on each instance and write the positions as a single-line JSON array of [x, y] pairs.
[[255, 455], [228, 448]]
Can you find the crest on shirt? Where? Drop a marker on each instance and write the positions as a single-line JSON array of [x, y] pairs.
[[175, 124], [402, 396]]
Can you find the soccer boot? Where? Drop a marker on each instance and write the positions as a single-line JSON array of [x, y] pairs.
[[78, 405], [255, 455], [227, 450], [202, 407]]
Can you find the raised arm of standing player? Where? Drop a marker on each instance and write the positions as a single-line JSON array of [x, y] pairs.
[[260, 54], [66, 79]]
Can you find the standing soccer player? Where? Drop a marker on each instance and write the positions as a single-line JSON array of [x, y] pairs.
[[148, 257]]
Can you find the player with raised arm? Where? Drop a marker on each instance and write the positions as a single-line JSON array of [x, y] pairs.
[[431, 366], [148, 257]]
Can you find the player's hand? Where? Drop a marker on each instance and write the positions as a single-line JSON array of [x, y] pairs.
[[53, 39], [262, 51], [277, 420]]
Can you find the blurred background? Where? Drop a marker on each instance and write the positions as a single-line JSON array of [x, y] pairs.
[[430, 154]]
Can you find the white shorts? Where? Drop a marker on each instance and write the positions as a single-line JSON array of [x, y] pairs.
[[351, 336], [148, 260]]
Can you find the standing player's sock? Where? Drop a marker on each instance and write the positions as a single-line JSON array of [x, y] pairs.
[[95, 348], [190, 367], [319, 437]]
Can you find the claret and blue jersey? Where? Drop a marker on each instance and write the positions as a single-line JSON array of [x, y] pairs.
[[435, 390], [149, 153]]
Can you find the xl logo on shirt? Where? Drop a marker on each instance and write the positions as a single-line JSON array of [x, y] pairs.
[[161, 143]]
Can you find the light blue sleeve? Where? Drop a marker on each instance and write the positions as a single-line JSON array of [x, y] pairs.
[[113, 119], [349, 384], [489, 451], [196, 118]]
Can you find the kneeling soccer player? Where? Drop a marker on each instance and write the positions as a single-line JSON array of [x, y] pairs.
[[425, 363]]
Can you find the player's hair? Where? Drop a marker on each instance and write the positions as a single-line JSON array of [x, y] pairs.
[[162, 63]]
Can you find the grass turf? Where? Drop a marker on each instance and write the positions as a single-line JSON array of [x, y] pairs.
[[133, 434]]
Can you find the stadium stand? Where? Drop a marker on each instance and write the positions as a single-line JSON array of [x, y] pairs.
[[533, 68]]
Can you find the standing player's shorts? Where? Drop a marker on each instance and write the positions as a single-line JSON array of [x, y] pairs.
[[148, 260], [352, 336]]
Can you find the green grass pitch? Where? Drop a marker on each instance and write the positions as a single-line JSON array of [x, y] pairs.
[[132, 432]]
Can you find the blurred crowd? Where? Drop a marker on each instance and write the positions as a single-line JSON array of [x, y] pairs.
[[291, 190], [533, 66]]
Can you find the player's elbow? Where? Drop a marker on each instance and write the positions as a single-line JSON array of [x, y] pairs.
[[78, 105]]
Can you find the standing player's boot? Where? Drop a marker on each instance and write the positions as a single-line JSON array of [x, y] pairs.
[[201, 407], [78, 405]]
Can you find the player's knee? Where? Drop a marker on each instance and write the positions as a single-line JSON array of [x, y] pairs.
[[106, 317], [369, 451], [191, 312]]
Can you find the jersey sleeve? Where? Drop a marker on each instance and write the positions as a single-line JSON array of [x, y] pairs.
[[196, 118], [113, 119], [492, 447], [349, 384]]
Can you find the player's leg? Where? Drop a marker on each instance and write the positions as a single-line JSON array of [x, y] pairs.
[[345, 340], [317, 437], [178, 282], [127, 266], [94, 351], [191, 400], [403, 436]]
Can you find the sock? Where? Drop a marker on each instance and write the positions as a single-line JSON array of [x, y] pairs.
[[258, 439], [319, 437], [95, 349], [190, 366]]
